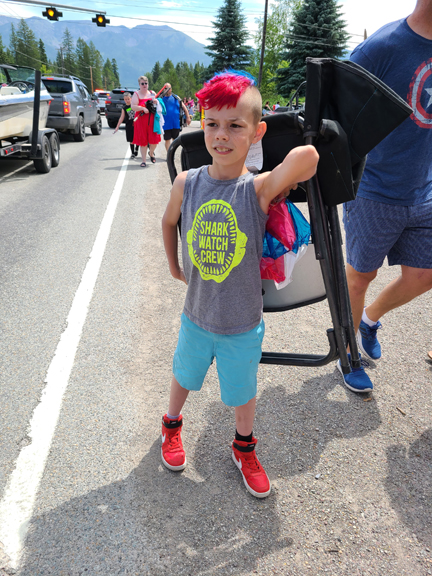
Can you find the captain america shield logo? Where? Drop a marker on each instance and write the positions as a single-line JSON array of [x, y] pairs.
[[420, 95]]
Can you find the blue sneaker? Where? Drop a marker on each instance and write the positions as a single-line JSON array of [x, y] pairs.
[[367, 340], [357, 380]]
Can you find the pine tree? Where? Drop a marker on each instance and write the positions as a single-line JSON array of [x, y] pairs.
[[155, 73], [167, 74], [317, 31], [96, 62], [187, 82], [82, 60], [110, 80], [42, 53], [115, 71], [2, 52], [68, 48], [227, 48], [24, 45]]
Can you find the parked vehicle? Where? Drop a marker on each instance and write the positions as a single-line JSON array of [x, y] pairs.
[[102, 96], [72, 108], [114, 105], [24, 104]]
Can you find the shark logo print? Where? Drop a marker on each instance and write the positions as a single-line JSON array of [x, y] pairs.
[[420, 95], [215, 243]]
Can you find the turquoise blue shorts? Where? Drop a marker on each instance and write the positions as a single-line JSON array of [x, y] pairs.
[[237, 358]]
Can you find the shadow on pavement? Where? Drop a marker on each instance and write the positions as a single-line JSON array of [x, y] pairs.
[[201, 521], [409, 485]]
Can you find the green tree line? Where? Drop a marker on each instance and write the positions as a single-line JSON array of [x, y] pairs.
[[85, 61], [185, 79], [77, 59], [295, 30]]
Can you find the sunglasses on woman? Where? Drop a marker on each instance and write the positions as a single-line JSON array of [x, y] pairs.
[[143, 83]]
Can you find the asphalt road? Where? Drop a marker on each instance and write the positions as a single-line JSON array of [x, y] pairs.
[[351, 476]]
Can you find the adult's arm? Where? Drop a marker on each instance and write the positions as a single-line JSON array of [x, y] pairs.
[[186, 111], [135, 104]]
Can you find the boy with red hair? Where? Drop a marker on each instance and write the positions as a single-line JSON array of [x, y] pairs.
[[224, 212]]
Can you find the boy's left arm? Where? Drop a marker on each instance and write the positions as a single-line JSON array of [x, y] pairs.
[[299, 165], [169, 226]]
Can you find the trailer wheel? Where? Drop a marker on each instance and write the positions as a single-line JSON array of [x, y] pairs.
[[80, 137], [96, 128], [43, 165], [55, 149]]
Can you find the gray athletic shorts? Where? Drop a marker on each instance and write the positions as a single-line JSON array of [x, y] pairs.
[[374, 230]]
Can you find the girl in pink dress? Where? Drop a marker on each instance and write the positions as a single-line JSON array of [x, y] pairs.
[[143, 126]]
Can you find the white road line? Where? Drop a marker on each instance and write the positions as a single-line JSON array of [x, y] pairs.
[[16, 507]]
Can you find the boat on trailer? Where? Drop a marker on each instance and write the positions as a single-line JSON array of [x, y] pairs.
[[24, 105], [17, 95]]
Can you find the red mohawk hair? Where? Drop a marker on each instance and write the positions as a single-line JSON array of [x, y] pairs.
[[225, 89]]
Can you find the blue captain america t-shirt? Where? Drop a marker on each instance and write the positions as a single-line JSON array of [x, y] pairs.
[[399, 169]]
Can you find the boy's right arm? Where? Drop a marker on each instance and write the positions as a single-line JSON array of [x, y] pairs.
[[169, 226], [122, 115]]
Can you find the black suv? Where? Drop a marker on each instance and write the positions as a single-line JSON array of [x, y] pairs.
[[72, 108], [114, 104]]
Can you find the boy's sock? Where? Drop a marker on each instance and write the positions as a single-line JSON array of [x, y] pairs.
[[172, 417], [366, 319], [241, 438]]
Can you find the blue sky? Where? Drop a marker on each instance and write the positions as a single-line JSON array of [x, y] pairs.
[[193, 17]]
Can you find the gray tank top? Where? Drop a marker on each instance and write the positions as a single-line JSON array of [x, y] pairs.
[[222, 241]]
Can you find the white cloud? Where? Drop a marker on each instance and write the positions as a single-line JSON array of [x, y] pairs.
[[166, 4], [372, 14]]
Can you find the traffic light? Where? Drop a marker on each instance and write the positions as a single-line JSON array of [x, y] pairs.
[[52, 13], [100, 20]]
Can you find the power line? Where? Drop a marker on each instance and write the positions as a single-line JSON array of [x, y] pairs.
[[194, 11]]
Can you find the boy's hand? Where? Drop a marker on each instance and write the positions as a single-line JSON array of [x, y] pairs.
[[179, 275], [299, 165], [284, 194]]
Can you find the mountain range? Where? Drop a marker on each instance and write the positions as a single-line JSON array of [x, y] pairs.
[[135, 49]]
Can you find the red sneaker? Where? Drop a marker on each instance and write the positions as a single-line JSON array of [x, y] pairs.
[[254, 476], [173, 455]]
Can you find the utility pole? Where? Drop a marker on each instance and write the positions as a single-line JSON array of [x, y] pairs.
[[365, 35], [91, 78], [263, 44], [61, 54]]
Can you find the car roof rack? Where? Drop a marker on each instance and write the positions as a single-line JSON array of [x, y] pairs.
[[64, 76]]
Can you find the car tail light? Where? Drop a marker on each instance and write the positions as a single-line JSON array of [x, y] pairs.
[[108, 101], [66, 108]]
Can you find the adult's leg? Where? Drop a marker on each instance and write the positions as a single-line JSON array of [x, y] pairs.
[[152, 148], [178, 396], [411, 283], [358, 283], [244, 416], [143, 152], [167, 144]]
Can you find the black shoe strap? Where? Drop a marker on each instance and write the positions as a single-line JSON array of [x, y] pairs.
[[172, 423], [248, 448]]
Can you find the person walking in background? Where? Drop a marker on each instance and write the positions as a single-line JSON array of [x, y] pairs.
[[144, 134], [173, 105], [127, 115], [392, 214]]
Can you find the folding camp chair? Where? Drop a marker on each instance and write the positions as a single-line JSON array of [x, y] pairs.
[[348, 112]]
